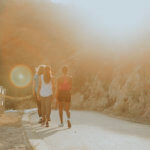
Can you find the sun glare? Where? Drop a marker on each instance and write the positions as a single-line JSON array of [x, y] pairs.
[[21, 76], [117, 19]]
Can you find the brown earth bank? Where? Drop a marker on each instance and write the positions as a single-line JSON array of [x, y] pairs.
[[12, 136], [78, 103]]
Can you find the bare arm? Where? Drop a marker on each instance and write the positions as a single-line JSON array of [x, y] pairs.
[[70, 83], [54, 85], [57, 87], [33, 87], [38, 93]]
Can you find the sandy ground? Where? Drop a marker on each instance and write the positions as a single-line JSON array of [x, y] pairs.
[[91, 131], [12, 135]]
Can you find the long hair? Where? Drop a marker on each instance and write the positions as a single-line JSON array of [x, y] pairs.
[[40, 70], [47, 74]]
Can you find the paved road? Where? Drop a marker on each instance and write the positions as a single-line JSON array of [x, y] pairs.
[[90, 131]]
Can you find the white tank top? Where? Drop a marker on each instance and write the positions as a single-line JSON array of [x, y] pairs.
[[46, 88]]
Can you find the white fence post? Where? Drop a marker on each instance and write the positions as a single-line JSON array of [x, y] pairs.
[[2, 99]]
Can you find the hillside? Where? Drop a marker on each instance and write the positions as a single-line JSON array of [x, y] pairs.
[[109, 77]]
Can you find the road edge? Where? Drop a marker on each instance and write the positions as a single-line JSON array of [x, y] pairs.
[[35, 142]]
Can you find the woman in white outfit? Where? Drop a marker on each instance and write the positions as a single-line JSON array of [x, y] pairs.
[[45, 94]]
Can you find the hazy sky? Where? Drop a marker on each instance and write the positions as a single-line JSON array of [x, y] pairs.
[[119, 19]]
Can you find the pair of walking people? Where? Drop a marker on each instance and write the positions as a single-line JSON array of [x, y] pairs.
[[45, 90]]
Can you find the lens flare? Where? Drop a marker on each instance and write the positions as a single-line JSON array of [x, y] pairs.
[[21, 76]]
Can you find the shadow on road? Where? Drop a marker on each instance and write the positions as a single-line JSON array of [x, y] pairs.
[[44, 132]]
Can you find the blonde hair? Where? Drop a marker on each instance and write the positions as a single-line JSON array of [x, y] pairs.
[[47, 74]]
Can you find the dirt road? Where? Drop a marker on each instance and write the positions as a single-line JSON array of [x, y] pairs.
[[90, 131]]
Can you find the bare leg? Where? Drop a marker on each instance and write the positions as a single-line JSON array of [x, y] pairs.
[[67, 109], [61, 112], [50, 101], [48, 109], [39, 108], [56, 105], [43, 111]]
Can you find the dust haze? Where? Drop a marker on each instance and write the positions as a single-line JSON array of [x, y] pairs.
[[114, 73]]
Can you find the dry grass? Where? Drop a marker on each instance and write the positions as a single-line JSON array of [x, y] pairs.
[[127, 94], [20, 104], [10, 119]]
